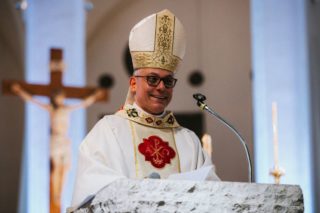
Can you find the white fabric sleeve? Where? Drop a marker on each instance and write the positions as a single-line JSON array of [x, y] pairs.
[[99, 162]]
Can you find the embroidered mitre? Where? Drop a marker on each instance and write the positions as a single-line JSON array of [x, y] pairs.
[[158, 41]]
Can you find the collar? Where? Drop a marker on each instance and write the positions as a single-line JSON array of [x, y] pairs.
[[135, 105], [136, 114]]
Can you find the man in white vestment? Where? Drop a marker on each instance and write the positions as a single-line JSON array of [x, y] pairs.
[[143, 138]]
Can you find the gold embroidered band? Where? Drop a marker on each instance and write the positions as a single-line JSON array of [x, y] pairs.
[[162, 56], [131, 113]]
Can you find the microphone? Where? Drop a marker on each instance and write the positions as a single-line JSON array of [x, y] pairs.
[[154, 175], [200, 102]]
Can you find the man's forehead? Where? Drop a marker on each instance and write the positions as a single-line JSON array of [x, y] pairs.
[[154, 71]]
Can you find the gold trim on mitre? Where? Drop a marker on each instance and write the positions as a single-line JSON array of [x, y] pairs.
[[162, 55]]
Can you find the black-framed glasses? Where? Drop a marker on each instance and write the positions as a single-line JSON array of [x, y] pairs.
[[153, 81]]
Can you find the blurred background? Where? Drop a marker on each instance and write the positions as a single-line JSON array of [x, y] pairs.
[[243, 55]]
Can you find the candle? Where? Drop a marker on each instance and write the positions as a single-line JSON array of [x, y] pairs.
[[275, 135], [207, 144]]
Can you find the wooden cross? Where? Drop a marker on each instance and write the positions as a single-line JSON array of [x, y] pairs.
[[56, 71]]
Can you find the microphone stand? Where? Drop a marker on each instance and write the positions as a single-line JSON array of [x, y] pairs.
[[204, 106]]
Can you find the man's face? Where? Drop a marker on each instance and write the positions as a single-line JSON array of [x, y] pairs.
[[152, 99]]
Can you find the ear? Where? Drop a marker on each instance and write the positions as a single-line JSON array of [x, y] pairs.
[[133, 84]]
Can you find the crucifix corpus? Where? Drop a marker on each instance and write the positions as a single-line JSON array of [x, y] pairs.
[[60, 145]]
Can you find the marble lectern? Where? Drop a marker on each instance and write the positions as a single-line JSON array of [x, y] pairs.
[[151, 195]]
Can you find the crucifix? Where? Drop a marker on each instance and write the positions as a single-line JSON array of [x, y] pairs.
[[60, 145]]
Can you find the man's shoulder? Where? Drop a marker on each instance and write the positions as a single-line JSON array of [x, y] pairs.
[[108, 121], [183, 129], [107, 124], [112, 119]]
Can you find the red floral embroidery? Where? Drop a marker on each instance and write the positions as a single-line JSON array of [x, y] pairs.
[[157, 151]]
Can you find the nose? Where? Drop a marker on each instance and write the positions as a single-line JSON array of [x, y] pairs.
[[161, 86]]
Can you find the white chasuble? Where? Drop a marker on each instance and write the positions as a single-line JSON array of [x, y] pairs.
[[154, 143], [132, 144]]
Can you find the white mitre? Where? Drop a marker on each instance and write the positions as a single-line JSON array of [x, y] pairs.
[[157, 41]]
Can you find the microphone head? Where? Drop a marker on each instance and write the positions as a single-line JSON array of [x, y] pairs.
[[199, 97], [154, 175]]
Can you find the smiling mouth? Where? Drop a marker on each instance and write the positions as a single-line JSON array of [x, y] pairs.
[[159, 97]]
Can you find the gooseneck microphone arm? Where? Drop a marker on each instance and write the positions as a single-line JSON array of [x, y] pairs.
[[200, 102]]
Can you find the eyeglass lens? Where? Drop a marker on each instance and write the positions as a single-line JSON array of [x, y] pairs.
[[169, 82]]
